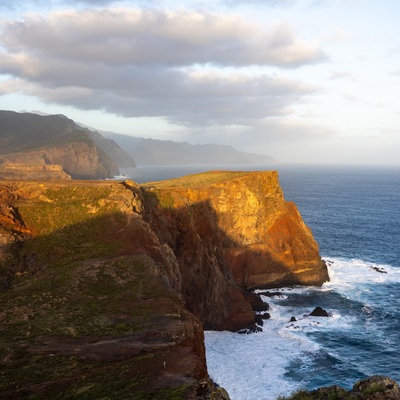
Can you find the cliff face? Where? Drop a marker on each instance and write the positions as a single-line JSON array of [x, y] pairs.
[[20, 171], [79, 160], [110, 147], [97, 311], [30, 142], [127, 274], [258, 236]]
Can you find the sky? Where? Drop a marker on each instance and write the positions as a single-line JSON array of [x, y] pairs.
[[305, 81]]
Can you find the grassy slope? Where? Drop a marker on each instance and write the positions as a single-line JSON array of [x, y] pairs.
[[76, 286]]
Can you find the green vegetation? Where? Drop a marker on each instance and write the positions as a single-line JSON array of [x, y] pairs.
[[196, 180], [83, 301]]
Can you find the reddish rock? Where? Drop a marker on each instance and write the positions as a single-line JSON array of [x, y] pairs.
[[232, 231]]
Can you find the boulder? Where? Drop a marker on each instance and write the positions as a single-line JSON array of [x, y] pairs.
[[319, 312]]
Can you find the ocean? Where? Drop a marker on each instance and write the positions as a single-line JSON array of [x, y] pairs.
[[354, 214]]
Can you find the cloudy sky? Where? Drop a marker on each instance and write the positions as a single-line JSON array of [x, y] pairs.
[[305, 81]]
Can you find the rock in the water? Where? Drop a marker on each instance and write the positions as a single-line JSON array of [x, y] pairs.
[[256, 302], [259, 320], [293, 319], [319, 312], [380, 270], [373, 388]]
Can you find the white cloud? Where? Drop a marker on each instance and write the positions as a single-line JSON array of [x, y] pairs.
[[342, 75], [157, 37], [134, 62]]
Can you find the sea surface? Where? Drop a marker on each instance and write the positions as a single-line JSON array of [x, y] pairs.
[[354, 213]]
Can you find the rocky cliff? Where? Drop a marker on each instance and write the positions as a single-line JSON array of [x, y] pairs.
[[373, 388], [29, 143], [21, 171], [261, 238], [77, 160], [105, 286], [111, 148]]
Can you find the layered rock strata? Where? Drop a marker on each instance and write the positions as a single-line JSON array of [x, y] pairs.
[[79, 160], [36, 147]]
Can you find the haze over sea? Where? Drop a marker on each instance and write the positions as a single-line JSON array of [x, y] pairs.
[[354, 213]]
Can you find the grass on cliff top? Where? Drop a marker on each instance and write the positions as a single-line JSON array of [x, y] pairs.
[[85, 302], [61, 206], [80, 284], [198, 180]]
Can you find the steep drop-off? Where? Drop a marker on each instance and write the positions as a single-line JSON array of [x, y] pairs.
[[105, 285], [30, 143], [261, 238], [79, 160]]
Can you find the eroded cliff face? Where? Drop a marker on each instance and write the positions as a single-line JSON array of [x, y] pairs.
[[79, 160], [90, 302], [104, 270], [20, 171], [247, 225]]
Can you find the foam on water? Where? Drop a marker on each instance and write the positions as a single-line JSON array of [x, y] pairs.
[[289, 355], [253, 366]]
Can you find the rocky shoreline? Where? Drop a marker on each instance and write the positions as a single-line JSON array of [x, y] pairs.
[[373, 388]]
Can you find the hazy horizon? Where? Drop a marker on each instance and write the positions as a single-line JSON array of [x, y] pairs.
[[303, 81]]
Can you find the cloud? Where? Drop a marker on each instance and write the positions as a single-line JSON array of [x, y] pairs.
[[341, 75], [157, 37], [267, 3], [134, 62], [13, 5], [187, 98]]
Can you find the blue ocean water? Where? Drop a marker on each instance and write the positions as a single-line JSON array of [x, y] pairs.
[[354, 213]]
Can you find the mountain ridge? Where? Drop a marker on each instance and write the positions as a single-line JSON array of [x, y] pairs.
[[28, 140]]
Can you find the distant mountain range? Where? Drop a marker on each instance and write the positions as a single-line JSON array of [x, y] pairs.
[[39, 146], [36, 146], [168, 152]]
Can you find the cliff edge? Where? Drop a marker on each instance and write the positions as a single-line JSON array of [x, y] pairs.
[[50, 148], [262, 238], [105, 286]]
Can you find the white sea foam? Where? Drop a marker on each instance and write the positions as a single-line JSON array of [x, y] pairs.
[[349, 273], [254, 366]]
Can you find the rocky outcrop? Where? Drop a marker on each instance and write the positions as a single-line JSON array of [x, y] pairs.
[[373, 388], [21, 171], [100, 310], [256, 234], [235, 230], [130, 275], [30, 143], [79, 160]]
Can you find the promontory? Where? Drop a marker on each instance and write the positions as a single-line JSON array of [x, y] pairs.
[[106, 286]]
